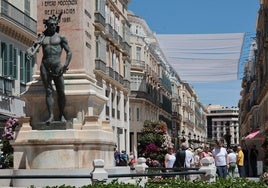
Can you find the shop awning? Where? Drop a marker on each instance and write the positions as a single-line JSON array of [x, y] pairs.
[[252, 135]]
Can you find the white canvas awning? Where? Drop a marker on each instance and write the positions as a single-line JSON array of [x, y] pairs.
[[201, 58]]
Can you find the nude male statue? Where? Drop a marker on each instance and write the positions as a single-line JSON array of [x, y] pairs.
[[51, 69]]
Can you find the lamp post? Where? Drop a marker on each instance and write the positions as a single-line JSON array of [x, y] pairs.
[[189, 138], [194, 140], [183, 133]]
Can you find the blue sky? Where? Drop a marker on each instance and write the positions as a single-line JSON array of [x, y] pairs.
[[204, 17]]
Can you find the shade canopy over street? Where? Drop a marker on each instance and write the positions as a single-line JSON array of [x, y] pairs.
[[202, 58]]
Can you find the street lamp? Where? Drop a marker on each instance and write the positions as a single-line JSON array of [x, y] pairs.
[[189, 138], [183, 133]]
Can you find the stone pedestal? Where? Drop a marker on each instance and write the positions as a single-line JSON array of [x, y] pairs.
[[63, 149]]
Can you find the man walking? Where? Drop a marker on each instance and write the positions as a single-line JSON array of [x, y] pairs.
[[240, 161], [221, 159]]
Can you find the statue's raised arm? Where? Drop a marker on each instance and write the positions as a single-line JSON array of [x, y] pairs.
[[30, 52]]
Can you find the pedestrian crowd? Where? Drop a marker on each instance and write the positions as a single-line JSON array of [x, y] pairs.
[[226, 160], [124, 159]]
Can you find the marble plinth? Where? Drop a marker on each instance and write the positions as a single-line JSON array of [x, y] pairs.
[[64, 149]]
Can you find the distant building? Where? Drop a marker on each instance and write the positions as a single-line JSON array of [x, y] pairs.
[[222, 122]]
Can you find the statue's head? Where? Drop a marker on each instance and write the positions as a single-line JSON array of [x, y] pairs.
[[51, 20]]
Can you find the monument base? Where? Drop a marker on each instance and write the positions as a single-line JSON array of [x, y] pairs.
[[63, 149], [54, 125]]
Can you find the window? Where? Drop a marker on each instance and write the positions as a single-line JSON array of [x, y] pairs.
[[138, 114], [130, 115], [138, 53], [28, 70], [100, 6], [114, 63], [137, 29], [27, 13], [27, 7], [100, 48], [117, 25], [107, 15], [124, 69], [112, 97], [9, 60], [14, 64], [117, 99], [107, 93], [112, 19], [14, 60], [22, 65], [4, 55]]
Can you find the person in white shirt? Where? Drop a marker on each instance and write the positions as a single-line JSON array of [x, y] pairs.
[[169, 158], [221, 159], [189, 158], [232, 162]]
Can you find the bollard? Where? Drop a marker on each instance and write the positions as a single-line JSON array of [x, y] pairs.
[[208, 165], [99, 174], [141, 166]]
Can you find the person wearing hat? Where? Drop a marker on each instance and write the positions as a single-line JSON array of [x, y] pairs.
[[198, 156]]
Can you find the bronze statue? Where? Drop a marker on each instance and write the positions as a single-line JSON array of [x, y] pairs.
[[51, 69]]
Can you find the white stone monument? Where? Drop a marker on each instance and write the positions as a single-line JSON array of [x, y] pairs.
[[85, 136]]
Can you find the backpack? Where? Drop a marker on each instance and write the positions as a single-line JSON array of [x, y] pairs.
[[122, 161]]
